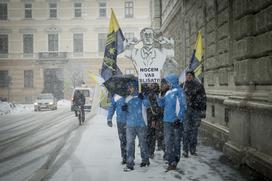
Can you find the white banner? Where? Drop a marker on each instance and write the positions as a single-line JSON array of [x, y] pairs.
[[149, 75]]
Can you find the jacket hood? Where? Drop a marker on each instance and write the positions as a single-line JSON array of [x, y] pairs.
[[172, 80], [133, 83]]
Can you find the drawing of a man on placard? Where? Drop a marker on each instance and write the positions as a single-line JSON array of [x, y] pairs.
[[148, 60]]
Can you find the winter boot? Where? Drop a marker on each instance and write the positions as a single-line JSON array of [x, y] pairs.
[[171, 167], [185, 154], [145, 164], [128, 169], [124, 161]]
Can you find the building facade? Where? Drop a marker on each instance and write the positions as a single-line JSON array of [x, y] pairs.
[[54, 45], [237, 70]]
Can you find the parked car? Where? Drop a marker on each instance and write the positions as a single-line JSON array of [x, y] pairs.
[[88, 93], [45, 101]]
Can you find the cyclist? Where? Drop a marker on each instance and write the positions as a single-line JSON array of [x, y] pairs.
[[79, 102]]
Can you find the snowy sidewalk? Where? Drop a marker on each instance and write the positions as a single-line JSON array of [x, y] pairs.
[[97, 158]]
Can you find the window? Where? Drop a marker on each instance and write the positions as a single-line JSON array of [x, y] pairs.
[[78, 12], [129, 71], [101, 42], [129, 36], [28, 77], [3, 11], [28, 43], [3, 44], [78, 43], [102, 9], [4, 79], [52, 10], [28, 11], [129, 9], [53, 42]]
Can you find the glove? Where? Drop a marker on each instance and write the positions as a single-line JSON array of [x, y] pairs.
[[203, 114], [140, 96], [177, 124], [125, 107], [109, 123]]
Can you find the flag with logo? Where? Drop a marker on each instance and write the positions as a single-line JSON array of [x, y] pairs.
[[196, 63], [114, 46]]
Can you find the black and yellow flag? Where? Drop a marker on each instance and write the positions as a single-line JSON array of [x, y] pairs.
[[114, 46]]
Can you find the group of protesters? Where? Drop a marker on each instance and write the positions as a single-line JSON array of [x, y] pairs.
[[166, 115]]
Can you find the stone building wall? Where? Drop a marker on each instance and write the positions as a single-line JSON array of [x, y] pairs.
[[237, 39]]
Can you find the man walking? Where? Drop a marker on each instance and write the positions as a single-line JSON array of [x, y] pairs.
[[153, 118], [196, 104], [136, 125], [116, 106], [174, 104]]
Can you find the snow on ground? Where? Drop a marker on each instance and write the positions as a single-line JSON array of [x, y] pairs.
[[22, 108], [4, 108], [10, 108], [97, 157]]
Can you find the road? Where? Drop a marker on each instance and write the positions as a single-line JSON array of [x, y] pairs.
[[50, 145], [30, 142]]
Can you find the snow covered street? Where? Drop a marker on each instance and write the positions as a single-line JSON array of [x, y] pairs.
[[93, 153], [30, 140]]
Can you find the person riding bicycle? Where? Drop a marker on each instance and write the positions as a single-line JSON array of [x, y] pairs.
[[79, 101]]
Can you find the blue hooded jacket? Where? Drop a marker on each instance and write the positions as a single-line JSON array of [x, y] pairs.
[[136, 108], [116, 105], [174, 101]]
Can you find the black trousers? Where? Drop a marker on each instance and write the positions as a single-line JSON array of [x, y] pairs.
[[121, 127], [154, 133]]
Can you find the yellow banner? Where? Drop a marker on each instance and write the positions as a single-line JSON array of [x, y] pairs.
[[114, 25], [199, 47]]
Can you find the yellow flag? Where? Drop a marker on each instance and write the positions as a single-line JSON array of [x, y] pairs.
[[199, 47], [97, 79], [114, 26]]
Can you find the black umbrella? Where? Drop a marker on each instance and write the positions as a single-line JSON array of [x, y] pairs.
[[117, 84]]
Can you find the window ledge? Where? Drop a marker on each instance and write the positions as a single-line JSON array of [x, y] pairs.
[[77, 18], [105, 18], [78, 54], [28, 55], [4, 55], [28, 19], [53, 19]]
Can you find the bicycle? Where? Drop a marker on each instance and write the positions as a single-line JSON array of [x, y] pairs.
[[80, 114]]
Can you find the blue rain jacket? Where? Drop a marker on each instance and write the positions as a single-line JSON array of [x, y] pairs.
[[116, 106], [136, 110], [174, 101]]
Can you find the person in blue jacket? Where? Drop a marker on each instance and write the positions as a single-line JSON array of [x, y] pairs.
[[121, 117], [174, 104], [135, 106]]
